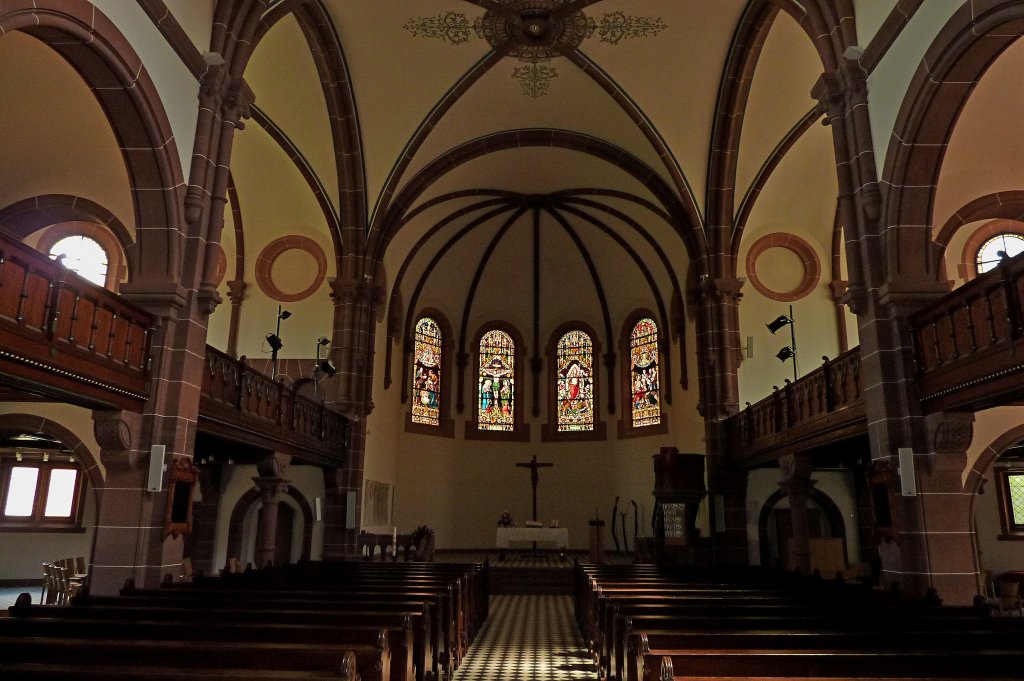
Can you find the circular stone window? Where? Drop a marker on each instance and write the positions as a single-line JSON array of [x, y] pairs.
[[291, 268], [782, 267]]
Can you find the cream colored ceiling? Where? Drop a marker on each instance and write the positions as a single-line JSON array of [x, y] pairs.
[[985, 154], [44, 148], [780, 95], [281, 73]]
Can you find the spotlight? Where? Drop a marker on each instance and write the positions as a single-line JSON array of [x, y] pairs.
[[323, 340], [780, 322], [327, 368], [274, 341], [283, 314], [785, 353]]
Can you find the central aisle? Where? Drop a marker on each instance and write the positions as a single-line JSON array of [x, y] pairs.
[[528, 638]]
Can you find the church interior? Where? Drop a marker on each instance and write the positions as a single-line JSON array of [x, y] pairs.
[[726, 284]]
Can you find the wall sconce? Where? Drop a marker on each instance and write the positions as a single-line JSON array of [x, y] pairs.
[[788, 352]]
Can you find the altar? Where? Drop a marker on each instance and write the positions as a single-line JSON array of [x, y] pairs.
[[559, 536]]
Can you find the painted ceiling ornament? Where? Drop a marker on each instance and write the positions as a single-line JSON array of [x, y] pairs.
[[537, 33], [535, 78]]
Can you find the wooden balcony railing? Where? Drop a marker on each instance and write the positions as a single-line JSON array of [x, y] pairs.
[[968, 344], [60, 333], [826, 404], [243, 404]]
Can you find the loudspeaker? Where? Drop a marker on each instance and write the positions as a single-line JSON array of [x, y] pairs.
[[319, 509], [908, 480], [750, 347], [350, 509], [156, 468]]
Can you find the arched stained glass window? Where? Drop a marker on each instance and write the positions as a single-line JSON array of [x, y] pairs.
[[996, 248], [644, 373], [84, 256], [426, 373], [575, 357], [496, 383]]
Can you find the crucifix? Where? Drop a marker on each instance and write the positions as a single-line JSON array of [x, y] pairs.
[[534, 478]]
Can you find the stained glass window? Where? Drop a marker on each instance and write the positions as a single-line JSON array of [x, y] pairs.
[[575, 363], [996, 248], [644, 374], [496, 382], [426, 373]]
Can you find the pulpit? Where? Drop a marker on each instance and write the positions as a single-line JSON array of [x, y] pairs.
[[678, 491]]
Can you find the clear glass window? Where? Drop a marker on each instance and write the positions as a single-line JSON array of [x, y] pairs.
[[84, 256], [21, 492], [991, 252], [60, 495], [1016, 485]]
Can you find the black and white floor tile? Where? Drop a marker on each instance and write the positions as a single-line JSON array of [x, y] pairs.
[[528, 638]]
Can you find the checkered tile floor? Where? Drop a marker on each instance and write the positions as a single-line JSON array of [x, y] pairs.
[[528, 638]]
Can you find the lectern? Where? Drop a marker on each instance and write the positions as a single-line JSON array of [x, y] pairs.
[[678, 490]]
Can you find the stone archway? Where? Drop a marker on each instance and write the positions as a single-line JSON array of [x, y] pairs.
[[249, 502], [832, 515]]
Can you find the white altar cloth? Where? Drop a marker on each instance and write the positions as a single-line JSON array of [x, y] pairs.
[[559, 536]]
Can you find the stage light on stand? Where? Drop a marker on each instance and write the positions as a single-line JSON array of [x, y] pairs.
[[788, 352], [327, 368], [275, 342]]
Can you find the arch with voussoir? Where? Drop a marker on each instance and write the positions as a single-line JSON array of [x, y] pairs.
[[97, 50]]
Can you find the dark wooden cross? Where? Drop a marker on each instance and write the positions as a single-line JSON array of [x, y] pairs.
[[534, 478]]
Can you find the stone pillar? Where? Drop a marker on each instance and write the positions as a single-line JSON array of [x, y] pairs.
[[796, 481], [934, 533], [271, 485], [731, 545], [130, 541], [199, 546], [236, 292]]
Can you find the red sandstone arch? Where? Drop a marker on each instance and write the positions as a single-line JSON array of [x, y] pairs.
[[18, 424], [970, 41], [97, 50]]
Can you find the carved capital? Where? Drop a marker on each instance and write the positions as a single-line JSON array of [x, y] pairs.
[[950, 432], [838, 287], [237, 101], [236, 291], [856, 298], [211, 84], [208, 298], [274, 466], [726, 289], [343, 290], [795, 467], [114, 430], [270, 487]]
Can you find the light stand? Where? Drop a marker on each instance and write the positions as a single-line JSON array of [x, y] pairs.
[[274, 340], [788, 352], [325, 366]]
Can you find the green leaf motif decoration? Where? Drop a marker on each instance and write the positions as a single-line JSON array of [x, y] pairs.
[[618, 26], [451, 27], [535, 78]]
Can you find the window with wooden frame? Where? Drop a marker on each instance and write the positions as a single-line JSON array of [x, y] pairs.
[[40, 492], [1010, 486]]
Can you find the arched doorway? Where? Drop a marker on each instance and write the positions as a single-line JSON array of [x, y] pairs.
[[775, 526], [293, 538]]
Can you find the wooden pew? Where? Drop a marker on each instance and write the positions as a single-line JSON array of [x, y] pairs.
[[835, 665], [372, 661]]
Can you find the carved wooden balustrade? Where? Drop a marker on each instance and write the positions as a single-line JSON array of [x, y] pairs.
[[968, 344], [64, 337], [823, 406], [243, 404]]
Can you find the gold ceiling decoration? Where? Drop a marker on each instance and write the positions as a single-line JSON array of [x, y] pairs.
[[536, 32], [535, 78]]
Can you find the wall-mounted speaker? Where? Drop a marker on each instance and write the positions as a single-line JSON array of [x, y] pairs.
[[318, 504], [155, 483], [908, 479], [719, 501]]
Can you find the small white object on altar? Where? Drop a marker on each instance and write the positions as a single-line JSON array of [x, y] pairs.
[[559, 536]]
